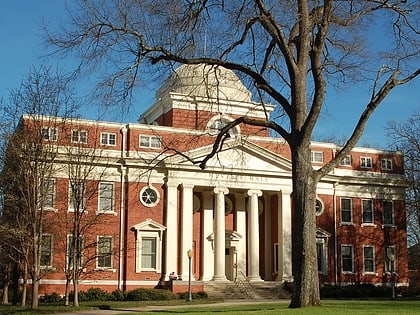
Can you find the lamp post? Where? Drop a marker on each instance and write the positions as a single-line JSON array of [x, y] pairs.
[[391, 257], [190, 254]]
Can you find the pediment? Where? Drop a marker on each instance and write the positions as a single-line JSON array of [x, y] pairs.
[[236, 155], [148, 225]]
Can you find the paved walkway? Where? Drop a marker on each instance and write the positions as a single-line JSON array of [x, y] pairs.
[[156, 308]]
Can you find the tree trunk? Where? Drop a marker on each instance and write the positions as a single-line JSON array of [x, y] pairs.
[[67, 292], [305, 270], [5, 294], [24, 284], [75, 288], [35, 290]]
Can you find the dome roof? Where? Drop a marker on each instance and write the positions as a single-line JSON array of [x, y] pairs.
[[205, 81]]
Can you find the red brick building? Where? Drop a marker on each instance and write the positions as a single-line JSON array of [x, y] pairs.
[[151, 203]]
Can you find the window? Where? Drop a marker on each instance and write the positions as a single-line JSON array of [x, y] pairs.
[[347, 258], [346, 210], [79, 136], [149, 196], [317, 156], [386, 164], [388, 212], [346, 161], [321, 255], [49, 134], [105, 252], [108, 138], [148, 246], [46, 250], [367, 209], [106, 197], [369, 259], [75, 248], [319, 207], [77, 200], [49, 194], [150, 142], [390, 258], [366, 162], [148, 253]]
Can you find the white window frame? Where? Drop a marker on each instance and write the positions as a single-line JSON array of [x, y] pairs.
[[366, 162], [145, 194], [148, 141], [158, 254], [392, 212], [346, 161], [79, 136], [110, 253], [368, 210], [71, 207], [49, 133], [322, 244], [350, 210], [352, 259], [102, 198], [109, 138], [372, 259], [389, 264], [82, 250], [49, 250], [386, 164], [317, 156], [49, 187]]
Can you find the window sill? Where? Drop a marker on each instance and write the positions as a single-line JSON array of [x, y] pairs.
[[107, 212], [370, 274], [347, 273], [389, 226], [101, 269], [346, 224], [368, 225], [50, 268]]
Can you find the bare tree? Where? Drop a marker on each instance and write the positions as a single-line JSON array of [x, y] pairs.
[[84, 166], [27, 161], [287, 52], [405, 137]]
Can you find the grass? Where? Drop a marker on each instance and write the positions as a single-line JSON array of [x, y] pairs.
[[342, 307]]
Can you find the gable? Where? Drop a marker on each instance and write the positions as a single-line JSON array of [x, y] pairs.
[[236, 155]]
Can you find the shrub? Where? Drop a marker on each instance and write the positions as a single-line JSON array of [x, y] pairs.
[[143, 294], [119, 295], [92, 294], [51, 298]]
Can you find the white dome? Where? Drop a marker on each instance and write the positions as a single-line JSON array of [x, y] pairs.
[[205, 81]]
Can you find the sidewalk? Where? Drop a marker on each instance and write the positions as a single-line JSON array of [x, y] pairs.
[[156, 308]]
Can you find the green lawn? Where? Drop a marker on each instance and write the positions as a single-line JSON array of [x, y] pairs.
[[342, 307]]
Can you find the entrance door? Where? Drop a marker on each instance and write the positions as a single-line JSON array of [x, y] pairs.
[[230, 263]]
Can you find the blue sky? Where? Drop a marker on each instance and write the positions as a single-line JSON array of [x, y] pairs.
[[22, 47]]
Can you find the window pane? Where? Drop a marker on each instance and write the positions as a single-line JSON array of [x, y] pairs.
[[104, 138], [105, 252], [388, 215], [368, 259], [148, 253], [346, 211], [155, 142], [106, 194], [46, 250], [347, 258], [144, 141], [367, 211]]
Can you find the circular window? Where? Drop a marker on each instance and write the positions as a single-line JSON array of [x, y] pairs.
[[149, 196], [319, 207]]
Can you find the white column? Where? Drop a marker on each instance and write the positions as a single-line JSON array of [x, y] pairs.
[[219, 235], [207, 255], [268, 249], [186, 229], [241, 229], [253, 232], [285, 237], [171, 255]]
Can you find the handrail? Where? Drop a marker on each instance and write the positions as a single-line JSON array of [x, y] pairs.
[[244, 285]]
